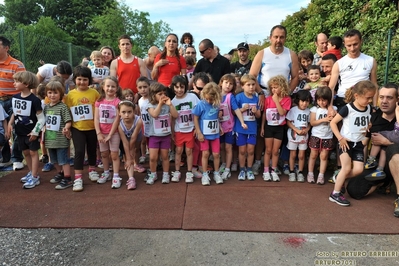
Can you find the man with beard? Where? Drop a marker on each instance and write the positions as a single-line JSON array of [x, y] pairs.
[[243, 65]]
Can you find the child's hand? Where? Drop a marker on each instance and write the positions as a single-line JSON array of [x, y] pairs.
[[221, 132], [32, 137], [107, 138], [66, 132], [167, 101], [254, 109], [244, 126], [128, 164], [200, 137], [307, 87], [100, 138], [343, 144], [275, 98]]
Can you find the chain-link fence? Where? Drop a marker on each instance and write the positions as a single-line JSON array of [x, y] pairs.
[[32, 49]]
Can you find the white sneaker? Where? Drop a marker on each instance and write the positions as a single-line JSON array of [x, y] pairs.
[[176, 176], [234, 167], [267, 177], [256, 168], [189, 177], [17, 166], [222, 167], [142, 160], [292, 177], [275, 177], [196, 173], [226, 175], [301, 178], [218, 179], [103, 178], [165, 179], [205, 180], [93, 176], [25, 178], [151, 179], [32, 182], [116, 182], [78, 185]]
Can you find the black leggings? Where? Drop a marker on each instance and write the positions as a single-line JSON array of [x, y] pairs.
[[81, 141]]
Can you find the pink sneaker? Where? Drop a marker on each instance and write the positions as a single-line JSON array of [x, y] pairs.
[[320, 180], [131, 183], [139, 168], [196, 173], [310, 179]]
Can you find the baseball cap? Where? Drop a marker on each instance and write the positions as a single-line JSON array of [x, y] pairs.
[[243, 45]]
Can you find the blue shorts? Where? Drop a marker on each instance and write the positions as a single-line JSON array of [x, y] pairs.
[[244, 139], [59, 156], [228, 138]]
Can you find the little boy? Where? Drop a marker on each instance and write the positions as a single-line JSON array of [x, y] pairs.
[[334, 47], [305, 58], [28, 120], [98, 71]]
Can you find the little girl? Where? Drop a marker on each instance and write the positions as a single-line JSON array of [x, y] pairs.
[[184, 126], [273, 120], [247, 102], [355, 117], [227, 140], [314, 76], [160, 109], [321, 140], [106, 121], [143, 86], [186, 40], [298, 127], [207, 128], [81, 103], [127, 94], [130, 131]]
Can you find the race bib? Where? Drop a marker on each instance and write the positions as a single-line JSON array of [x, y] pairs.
[[248, 115], [359, 123], [53, 122], [162, 124], [82, 112], [225, 112], [107, 113], [210, 127], [21, 107], [273, 118], [185, 119]]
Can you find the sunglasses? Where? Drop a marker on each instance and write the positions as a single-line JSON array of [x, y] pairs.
[[190, 52], [203, 51], [199, 88]]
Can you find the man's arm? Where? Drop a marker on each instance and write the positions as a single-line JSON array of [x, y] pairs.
[[373, 79], [294, 71], [334, 79], [143, 68], [113, 68]]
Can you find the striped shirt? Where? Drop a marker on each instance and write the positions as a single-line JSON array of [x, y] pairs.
[[7, 69]]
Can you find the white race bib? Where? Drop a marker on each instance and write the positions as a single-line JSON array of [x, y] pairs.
[[107, 113], [210, 127], [82, 112], [162, 124], [247, 115], [53, 122], [21, 107], [185, 119]]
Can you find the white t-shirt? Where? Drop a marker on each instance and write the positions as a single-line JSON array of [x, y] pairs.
[[184, 106]]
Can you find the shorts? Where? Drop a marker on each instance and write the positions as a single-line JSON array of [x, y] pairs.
[[319, 144], [244, 139], [228, 138], [182, 138], [293, 146], [156, 142], [59, 156], [391, 150], [2, 140], [355, 151], [275, 132], [111, 145], [25, 144], [213, 144]]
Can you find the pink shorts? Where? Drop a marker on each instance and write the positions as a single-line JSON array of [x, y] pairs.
[[184, 138], [112, 145], [214, 144]]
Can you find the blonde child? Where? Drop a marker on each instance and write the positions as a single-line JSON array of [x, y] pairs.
[[28, 120], [355, 117], [81, 102], [184, 103], [160, 110], [298, 127], [228, 86], [58, 133], [273, 120], [207, 129], [321, 139], [128, 94], [130, 131], [143, 87], [98, 71]]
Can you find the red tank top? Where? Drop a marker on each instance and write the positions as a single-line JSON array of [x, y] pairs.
[[128, 73]]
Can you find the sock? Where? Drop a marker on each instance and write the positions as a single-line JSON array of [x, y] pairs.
[[92, 168], [131, 177], [311, 174], [165, 173], [299, 172], [371, 158], [243, 169], [78, 176], [336, 192], [227, 169], [291, 171], [106, 172], [116, 175], [274, 169], [266, 169], [177, 171], [216, 172], [380, 168]]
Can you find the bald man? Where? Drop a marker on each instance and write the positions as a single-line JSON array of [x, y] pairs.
[[321, 46], [149, 61]]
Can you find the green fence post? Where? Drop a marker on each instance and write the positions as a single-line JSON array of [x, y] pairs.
[[388, 55], [22, 46], [70, 53]]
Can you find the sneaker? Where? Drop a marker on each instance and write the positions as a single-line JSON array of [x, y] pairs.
[[277, 171], [396, 210], [250, 176], [218, 179], [205, 180], [300, 178], [286, 169], [267, 176], [151, 179], [275, 177], [256, 168], [65, 183], [116, 182], [100, 165], [292, 177], [222, 167], [94, 176], [25, 178], [189, 177], [375, 176], [44, 159], [241, 176], [339, 199], [370, 164], [78, 185], [32, 182], [176, 176], [17, 166], [142, 160], [310, 178], [57, 178], [131, 183], [165, 178], [139, 168], [320, 180], [334, 177], [234, 167], [196, 173], [171, 156], [48, 167], [6, 164], [104, 178], [226, 175]]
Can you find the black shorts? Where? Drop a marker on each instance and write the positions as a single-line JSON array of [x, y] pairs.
[[276, 132], [391, 150], [355, 151], [25, 144], [358, 186]]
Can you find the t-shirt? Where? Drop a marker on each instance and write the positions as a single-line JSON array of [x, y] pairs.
[[3, 116], [108, 112], [217, 68], [184, 106], [145, 116], [25, 109], [239, 68], [355, 122], [7, 69], [300, 119], [160, 126], [168, 71], [208, 119], [56, 118], [247, 115], [273, 118], [81, 104], [323, 130], [47, 72]]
